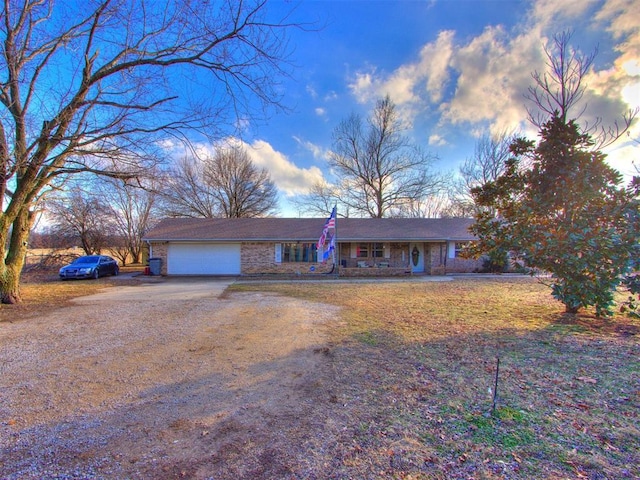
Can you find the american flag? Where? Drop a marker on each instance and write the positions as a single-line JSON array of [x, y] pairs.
[[332, 246], [330, 223]]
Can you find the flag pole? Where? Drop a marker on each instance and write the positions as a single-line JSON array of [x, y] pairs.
[[336, 245]]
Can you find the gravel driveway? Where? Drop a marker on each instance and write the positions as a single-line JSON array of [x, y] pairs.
[[170, 379]]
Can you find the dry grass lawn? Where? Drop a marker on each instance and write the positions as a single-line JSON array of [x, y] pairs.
[[42, 291], [414, 368]]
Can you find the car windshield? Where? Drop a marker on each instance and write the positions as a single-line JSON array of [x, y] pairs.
[[91, 259]]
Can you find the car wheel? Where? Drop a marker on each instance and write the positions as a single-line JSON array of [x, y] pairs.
[[116, 271], [94, 275]]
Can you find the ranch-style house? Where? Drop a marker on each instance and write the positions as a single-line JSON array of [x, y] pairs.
[[268, 246]]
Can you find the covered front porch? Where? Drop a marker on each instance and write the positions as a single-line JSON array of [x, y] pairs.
[[392, 259]]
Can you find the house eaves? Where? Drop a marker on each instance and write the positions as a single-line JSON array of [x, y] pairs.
[[282, 230]]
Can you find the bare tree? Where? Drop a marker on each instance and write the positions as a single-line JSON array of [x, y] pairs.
[[432, 206], [132, 208], [486, 165], [240, 188], [379, 168], [320, 200], [559, 90], [84, 217], [94, 89], [227, 184], [185, 192]]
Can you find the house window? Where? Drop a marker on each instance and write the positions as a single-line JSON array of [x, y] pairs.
[[299, 252], [370, 250], [458, 249]]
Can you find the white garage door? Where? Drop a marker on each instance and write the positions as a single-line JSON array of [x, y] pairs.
[[203, 259]]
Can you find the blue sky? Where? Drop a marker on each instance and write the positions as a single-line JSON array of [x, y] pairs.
[[455, 69]]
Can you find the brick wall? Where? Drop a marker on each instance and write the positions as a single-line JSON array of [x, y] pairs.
[[463, 265], [398, 257], [439, 262], [259, 259], [435, 258], [375, 272], [159, 250]]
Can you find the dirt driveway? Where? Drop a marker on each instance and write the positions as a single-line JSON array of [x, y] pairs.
[[167, 380]]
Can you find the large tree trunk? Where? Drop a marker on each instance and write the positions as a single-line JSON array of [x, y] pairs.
[[9, 284], [14, 257], [571, 309]]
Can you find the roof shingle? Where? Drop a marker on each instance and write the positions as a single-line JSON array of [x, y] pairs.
[[309, 229]]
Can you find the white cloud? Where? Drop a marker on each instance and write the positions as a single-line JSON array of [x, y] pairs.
[[287, 176], [552, 14], [402, 85], [437, 140], [483, 81], [631, 67], [624, 156], [631, 94], [362, 86], [620, 18], [321, 112], [168, 144], [491, 79], [312, 91], [330, 96], [318, 152], [435, 63]]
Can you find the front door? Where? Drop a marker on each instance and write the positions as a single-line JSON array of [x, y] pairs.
[[416, 257]]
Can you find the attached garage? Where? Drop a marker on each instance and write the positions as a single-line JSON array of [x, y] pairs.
[[203, 259]]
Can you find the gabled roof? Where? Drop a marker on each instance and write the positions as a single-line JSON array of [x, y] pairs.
[[309, 229]]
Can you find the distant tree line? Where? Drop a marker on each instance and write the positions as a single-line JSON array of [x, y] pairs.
[[97, 213]]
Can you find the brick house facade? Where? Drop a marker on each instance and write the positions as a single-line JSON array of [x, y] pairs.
[[287, 246]]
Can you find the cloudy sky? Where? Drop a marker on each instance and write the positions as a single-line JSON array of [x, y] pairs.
[[455, 68]]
